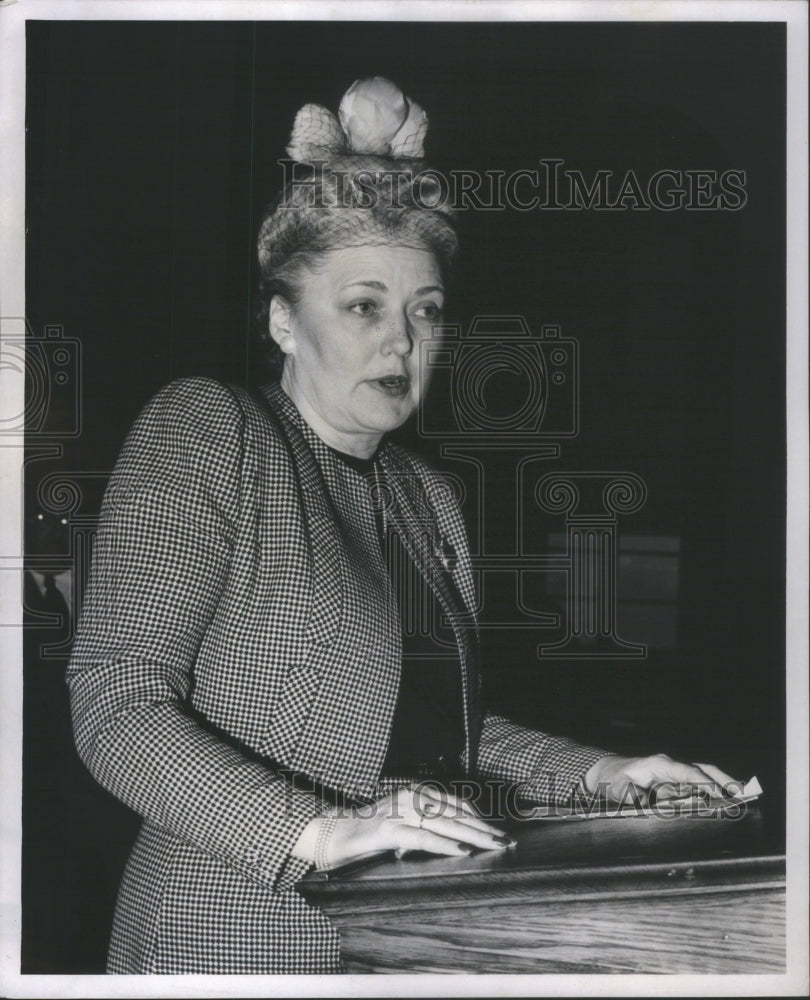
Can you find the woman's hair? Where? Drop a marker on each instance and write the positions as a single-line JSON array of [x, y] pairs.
[[285, 280], [351, 201]]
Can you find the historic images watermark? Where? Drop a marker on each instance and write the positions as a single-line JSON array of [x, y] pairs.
[[551, 185], [665, 800]]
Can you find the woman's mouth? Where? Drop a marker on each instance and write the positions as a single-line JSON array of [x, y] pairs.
[[392, 385]]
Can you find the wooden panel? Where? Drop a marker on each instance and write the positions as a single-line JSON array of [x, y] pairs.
[[605, 896], [691, 933]]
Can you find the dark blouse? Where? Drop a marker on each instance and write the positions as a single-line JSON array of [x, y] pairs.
[[427, 735]]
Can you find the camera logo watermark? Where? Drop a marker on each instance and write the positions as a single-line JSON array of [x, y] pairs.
[[50, 364], [464, 371], [503, 401], [41, 408]]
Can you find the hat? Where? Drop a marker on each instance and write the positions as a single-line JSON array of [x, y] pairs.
[[358, 178]]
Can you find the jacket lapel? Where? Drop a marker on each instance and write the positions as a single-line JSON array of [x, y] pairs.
[[349, 585], [431, 529], [434, 535], [319, 515]]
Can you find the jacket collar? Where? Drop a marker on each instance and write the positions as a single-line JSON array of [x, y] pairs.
[[288, 411], [423, 495]]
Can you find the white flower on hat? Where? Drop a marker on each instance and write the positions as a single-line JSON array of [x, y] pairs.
[[375, 118], [410, 139], [378, 118]]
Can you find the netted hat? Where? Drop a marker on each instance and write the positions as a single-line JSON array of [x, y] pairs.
[[358, 179]]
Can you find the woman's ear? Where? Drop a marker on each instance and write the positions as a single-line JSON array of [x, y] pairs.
[[280, 324]]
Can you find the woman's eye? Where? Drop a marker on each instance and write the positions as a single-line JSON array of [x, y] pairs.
[[430, 312], [364, 308]]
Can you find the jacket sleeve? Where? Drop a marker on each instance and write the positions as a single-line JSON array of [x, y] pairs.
[[160, 561], [548, 769]]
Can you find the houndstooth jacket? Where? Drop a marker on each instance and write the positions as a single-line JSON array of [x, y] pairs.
[[239, 629]]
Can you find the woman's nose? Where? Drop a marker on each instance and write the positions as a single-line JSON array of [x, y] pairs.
[[398, 337]]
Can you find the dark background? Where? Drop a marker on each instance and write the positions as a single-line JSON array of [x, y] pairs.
[[151, 150]]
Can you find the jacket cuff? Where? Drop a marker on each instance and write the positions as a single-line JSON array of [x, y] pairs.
[[563, 784], [545, 769], [273, 864]]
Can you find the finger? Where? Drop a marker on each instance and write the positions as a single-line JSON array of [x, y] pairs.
[[730, 785], [447, 811], [670, 791], [434, 801], [487, 839], [406, 804], [438, 794], [411, 838], [634, 794], [479, 824], [691, 775]]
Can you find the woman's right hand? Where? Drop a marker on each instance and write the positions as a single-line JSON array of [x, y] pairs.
[[414, 818]]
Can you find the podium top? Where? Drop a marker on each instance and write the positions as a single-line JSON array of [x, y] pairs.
[[574, 856]]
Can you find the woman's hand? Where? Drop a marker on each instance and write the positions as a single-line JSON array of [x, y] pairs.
[[641, 780], [410, 819]]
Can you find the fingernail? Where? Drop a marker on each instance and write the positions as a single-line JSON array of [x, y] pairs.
[[505, 841], [467, 848]]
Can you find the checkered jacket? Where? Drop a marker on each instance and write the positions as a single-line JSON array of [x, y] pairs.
[[239, 628]]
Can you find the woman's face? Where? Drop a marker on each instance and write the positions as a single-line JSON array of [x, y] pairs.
[[353, 363]]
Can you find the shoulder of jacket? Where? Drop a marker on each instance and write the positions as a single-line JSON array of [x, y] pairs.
[[198, 431], [196, 392], [187, 397], [207, 405], [203, 424]]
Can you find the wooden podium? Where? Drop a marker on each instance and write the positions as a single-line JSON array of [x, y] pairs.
[[599, 895]]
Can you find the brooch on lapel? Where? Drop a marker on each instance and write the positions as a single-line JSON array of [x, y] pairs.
[[446, 554]]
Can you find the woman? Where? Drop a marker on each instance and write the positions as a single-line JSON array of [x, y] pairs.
[[241, 677]]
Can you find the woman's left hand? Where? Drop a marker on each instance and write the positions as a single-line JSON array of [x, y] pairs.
[[642, 780]]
